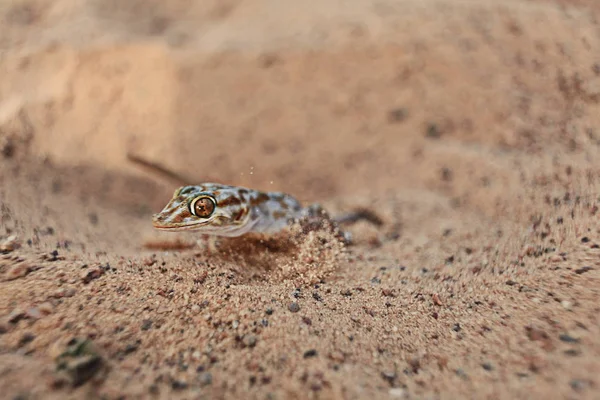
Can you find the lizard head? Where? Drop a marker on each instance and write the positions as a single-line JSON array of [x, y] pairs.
[[208, 208]]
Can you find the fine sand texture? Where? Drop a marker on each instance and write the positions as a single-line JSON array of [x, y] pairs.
[[470, 128]]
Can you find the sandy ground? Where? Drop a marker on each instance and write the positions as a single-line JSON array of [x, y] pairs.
[[471, 127]]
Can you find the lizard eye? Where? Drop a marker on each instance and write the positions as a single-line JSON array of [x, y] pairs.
[[202, 206]]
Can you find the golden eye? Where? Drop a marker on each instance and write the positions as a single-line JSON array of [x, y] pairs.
[[202, 206]]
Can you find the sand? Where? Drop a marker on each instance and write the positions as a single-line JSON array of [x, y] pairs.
[[472, 128]]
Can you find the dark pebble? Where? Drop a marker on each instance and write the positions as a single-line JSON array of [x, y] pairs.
[[84, 368], [93, 274], [178, 385], [487, 366], [375, 280], [317, 296], [269, 311], [460, 372], [568, 338], [456, 327], [585, 239], [53, 256], [433, 131], [389, 376], [26, 338], [132, 347], [310, 353], [572, 352], [346, 293], [146, 324], [583, 270], [511, 283], [293, 307], [8, 149]]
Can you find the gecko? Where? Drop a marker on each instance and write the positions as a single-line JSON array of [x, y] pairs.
[[232, 211]]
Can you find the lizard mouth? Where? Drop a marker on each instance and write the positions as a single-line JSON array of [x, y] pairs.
[[173, 227], [216, 223], [160, 224]]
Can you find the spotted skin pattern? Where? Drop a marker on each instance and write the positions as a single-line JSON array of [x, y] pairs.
[[223, 210]]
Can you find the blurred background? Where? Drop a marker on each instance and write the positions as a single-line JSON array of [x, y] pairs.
[[324, 99]]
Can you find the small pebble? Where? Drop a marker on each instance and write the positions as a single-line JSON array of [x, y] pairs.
[[294, 307], [17, 271], [4, 327], [33, 313], [460, 372], [26, 338], [16, 315], [9, 244], [131, 347], [178, 385], [583, 270], [568, 338], [398, 392], [46, 308], [249, 340], [487, 366], [310, 353], [389, 376], [146, 324], [93, 274]]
